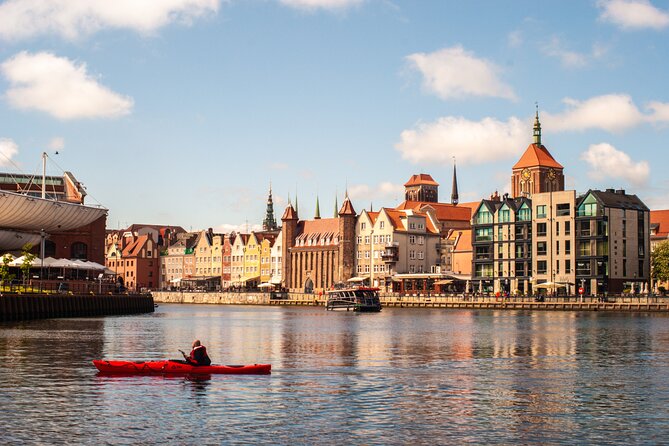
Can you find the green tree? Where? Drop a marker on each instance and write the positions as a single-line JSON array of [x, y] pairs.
[[28, 259], [659, 262], [5, 276]]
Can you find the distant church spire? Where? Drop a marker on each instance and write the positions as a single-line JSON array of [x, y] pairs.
[[317, 215], [454, 192], [336, 208], [269, 223], [537, 128]]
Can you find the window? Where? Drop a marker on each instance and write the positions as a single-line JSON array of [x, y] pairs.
[[585, 228], [584, 248], [412, 255], [79, 250], [382, 224], [504, 216], [583, 268], [483, 216], [412, 239], [557, 228], [541, 248], [567, 266], [587, 210], [421, 255], [421, 226], [567, 227], [421, 240], [557, 267], [563, 209], [363, 226], [557, 248], [366, 240], [541, 211], [541, 229], [359, 239], [484, 270], [412, 225], [483, 235], [524, 214], [541, 267]]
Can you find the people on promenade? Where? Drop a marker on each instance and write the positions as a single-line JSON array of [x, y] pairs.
[[198, 356]]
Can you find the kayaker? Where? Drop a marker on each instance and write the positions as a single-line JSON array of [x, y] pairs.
[[198, 356]]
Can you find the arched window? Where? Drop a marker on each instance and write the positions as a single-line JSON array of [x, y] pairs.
[[79, 251]]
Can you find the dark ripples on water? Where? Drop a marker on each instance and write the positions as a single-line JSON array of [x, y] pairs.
[[402, 376]]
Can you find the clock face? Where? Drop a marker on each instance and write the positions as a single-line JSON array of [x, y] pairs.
[[525, 174], [552, 174]]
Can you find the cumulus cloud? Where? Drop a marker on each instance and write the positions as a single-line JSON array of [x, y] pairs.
[[608, 162], [382, 192], [8, 149], [614, 112], [311, 5], [633, 14], [457, 73], [59, 87], [471, 142], [71, 19]]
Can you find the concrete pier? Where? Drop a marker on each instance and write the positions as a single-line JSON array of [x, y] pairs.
[[22, 307]]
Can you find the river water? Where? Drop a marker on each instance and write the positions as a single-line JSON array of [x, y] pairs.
[[402, 376]]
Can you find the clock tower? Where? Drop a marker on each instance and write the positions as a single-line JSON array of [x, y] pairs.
[[536, 171]]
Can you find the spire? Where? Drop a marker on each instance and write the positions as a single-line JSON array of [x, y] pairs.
[[317, 215], [269, 223], [371, 207], [454, 192], [346, 207], [336, 208], [296, 210], [537, 128]]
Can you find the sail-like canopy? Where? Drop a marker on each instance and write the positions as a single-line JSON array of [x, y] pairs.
[[13, 240], [27, 213]]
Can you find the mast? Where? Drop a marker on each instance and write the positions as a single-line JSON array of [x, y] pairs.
[[44, 174]]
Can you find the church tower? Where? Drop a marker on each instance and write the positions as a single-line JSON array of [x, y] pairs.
[[454, 192], [536, 171], [269, 223]]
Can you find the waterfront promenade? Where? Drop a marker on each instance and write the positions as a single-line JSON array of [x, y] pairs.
[[573, 303]]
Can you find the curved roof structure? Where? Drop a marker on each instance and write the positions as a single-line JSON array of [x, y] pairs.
[[13, 240], [28, 214]]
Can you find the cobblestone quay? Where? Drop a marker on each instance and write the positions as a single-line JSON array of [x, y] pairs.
[[23, 307], [633, 304]]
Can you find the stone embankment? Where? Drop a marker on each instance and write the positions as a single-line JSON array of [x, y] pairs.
[[634, 304], [22, 307]]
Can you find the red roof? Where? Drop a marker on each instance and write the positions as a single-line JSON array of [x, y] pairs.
[[421, 178], [661, 218], [347, 208], [290, 213], [536, 155], [396, 216], [443, 211]]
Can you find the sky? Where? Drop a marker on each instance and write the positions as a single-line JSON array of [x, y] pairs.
[[184, 112]]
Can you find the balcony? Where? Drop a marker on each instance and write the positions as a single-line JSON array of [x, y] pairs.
[[391, 253]]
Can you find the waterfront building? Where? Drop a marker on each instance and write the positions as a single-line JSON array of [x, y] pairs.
[[421, 195], [276, 260], [659, 232], [209, 259], [238, 260], [266, 242], [543, 237], [318, 253], [391, 242], [139, 264], [173, 260], [460, 246], [226, 266], [68, 231]]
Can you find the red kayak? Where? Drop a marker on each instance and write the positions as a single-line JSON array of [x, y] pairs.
[[177, 367]]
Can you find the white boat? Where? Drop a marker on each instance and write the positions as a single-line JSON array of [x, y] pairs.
[[362, 299]]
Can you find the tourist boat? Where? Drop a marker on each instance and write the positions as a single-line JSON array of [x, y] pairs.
[[177, 367], [362, 299]]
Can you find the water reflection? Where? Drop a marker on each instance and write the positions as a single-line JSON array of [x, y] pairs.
[[400, 376]]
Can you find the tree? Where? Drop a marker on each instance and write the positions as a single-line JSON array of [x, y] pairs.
[[659, 262], [4, 269], [28, 258]]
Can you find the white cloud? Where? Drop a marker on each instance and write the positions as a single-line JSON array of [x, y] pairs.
[[515, 39], [608, 162], [633, 14], [71, 19], [614, 112], [8, 149], [59, 87], [471, 142], [57, 143], [457, 73], [311, 5], [382, 192]]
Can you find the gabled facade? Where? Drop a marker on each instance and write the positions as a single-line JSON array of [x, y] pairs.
[[139, 264], [172, 260], [276, 260], [392, 242]]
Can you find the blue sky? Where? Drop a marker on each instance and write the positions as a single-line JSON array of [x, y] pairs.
[[182, 111]]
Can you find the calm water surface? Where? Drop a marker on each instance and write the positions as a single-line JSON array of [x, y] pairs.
[[403, 376]]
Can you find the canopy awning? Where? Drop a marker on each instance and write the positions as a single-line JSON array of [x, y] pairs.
[[550, 285], [358, 279], [266, 285], [443, 282]]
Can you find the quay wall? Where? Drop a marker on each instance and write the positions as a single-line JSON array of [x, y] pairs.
[[23, 307], [574, 303]]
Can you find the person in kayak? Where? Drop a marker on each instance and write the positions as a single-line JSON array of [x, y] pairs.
[[198, 356]]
